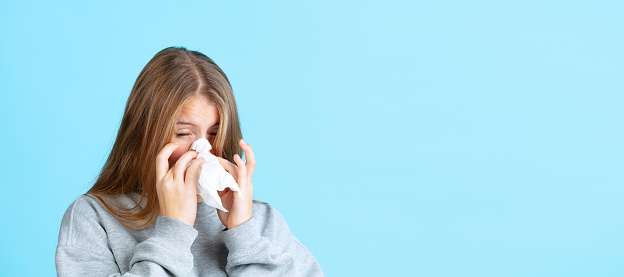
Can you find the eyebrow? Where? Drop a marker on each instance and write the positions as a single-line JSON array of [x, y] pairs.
[[192, 124]]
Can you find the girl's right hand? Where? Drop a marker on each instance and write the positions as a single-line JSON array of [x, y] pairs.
[[177, 186]]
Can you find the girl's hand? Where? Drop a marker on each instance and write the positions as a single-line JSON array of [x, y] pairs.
[[177, 186], [239, 207]]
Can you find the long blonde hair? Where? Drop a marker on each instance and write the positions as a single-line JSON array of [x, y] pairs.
[[172, 76]]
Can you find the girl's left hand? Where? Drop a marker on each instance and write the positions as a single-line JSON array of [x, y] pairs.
[[239, 207]]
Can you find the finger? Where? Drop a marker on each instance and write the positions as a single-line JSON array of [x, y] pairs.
[[162, 159], [222, 192], [192, 173], [249, 156], [226, 198], [182, 163], [242, 171], [229, 167]]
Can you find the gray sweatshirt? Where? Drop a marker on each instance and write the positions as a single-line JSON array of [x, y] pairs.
[[93, 243]]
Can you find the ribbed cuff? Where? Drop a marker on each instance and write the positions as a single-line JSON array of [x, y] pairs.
[[243, 239], [169, 246]]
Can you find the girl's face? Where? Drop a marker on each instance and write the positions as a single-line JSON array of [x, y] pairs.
[[199, 118]]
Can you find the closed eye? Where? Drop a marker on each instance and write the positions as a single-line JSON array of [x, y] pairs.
[[187, 134]]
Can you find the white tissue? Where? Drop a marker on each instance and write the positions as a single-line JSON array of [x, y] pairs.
[[212, 176]]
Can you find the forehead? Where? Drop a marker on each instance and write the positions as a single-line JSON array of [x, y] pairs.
[[198, 110]]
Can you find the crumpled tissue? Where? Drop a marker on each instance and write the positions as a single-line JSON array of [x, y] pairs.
[[212, 176]]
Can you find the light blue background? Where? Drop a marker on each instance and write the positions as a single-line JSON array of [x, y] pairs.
[[397, 138]]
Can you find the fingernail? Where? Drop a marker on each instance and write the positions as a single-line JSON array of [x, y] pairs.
[[244, 143]]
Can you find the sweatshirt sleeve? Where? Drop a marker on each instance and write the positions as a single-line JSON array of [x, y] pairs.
[[265, 246], [83, 247]]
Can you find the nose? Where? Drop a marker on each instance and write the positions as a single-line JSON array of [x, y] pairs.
[[212, 147]]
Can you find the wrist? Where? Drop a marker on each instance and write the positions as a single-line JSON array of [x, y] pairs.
[[232, 226]]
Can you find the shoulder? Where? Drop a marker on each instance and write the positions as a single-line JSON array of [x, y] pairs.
[[84, 205], [86, 217], [273, 226], [92, 205], [265, 211], [81, 225], [269, 219]]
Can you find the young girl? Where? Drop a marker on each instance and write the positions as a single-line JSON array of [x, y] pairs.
[[143, 217]]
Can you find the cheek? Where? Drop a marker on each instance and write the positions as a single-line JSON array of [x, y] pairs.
[[178, 153]]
